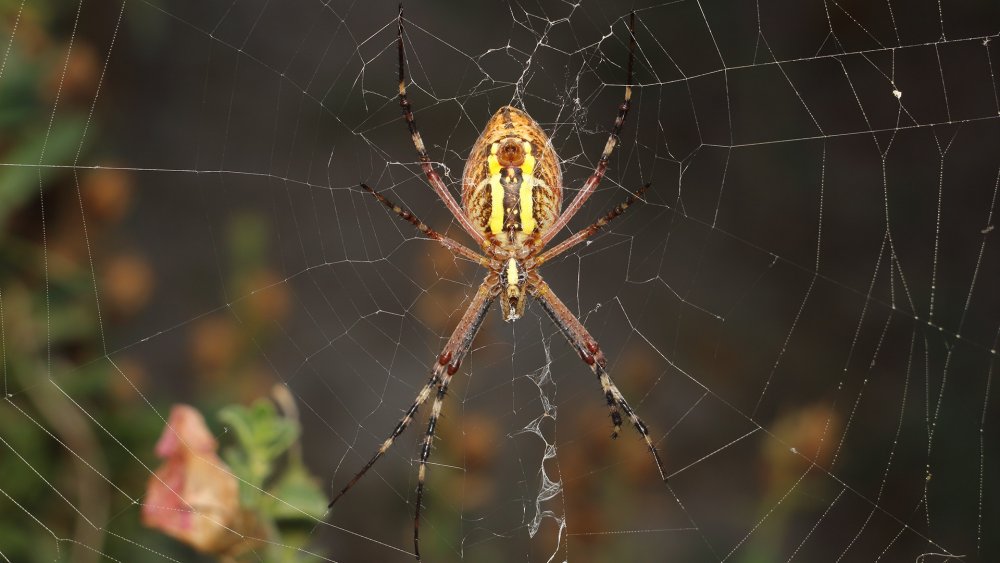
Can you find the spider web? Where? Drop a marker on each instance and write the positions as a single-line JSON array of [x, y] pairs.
[[804, 309]]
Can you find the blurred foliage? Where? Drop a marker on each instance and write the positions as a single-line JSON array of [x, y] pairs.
[[265, 457], [59, 467], [260, 503], [77, 430]]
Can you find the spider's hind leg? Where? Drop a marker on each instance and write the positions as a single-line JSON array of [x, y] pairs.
[[602, 163], [418, 143]]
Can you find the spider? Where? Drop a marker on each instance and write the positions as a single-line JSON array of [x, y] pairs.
[[511, 197]]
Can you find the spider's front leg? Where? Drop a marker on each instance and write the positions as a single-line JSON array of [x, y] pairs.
[[444, 368], [581, 340]]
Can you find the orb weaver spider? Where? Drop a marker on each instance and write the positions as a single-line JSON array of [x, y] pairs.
[[512, 194]]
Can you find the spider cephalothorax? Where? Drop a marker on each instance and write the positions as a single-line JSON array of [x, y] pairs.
[[512, 197]]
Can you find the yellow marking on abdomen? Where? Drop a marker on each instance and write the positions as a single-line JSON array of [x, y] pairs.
[[496, 191], [527, 191]]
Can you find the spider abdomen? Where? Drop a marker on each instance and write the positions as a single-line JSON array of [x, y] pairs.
[[512, 181]]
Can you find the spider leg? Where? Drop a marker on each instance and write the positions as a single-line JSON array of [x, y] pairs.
[[444, 368], [454, 246], [580, 339], [584, 234], [425, 454], [602, 164], [400, 427], [418, 142]]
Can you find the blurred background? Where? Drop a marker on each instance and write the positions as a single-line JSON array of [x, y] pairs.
[[804, 311]]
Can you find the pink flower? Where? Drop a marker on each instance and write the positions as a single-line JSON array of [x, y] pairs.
[[193, 496]]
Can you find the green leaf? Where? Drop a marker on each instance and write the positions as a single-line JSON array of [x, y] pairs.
[[262, 436], [299, 495]]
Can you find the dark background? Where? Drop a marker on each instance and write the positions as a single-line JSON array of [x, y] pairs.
[[804, 311]]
